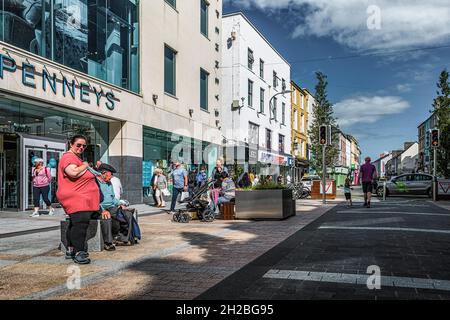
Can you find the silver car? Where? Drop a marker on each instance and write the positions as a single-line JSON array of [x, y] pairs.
[[408, 184], [307, 181]]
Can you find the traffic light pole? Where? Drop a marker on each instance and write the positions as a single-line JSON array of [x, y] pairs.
[[434, 174], [324, 170]]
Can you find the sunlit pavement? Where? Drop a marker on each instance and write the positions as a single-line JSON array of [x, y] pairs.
[[173, 260], [340, 255]]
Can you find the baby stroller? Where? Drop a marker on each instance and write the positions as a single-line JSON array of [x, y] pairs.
[[198, 203]]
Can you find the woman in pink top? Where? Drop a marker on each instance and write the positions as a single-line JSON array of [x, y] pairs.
[[41, 178], [79, 195]]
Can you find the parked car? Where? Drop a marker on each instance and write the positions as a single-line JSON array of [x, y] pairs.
[[307, 181], [408, 184]]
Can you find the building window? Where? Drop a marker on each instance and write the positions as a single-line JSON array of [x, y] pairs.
[[261, 100], [250, 59], [250, 93], [78, 34], [275, 80], [281, 143], [204, 6], [294, 120], [294, 96], [268, 139], [204, 89], [283, 113], [170, 71], [261, 68], [253, 134], [173, 3], [283, 85], [302, 123], [275, 100]]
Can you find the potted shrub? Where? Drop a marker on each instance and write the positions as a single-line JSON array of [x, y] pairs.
[[267, 200]]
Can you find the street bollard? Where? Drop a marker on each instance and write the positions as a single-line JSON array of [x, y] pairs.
[[384, 190]]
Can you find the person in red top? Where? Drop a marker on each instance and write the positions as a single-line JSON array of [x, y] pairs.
[[367, 174], [79, 195]]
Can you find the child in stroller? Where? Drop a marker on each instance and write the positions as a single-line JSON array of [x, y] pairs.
[[198, 203]]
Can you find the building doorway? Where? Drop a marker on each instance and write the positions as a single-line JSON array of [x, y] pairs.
[[50, 151]]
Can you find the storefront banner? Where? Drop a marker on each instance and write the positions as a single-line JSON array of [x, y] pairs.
[[267, 157], [443, 187], [46, 81]]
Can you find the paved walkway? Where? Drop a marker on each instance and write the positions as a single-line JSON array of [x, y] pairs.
[[173, 261], [405, 240]]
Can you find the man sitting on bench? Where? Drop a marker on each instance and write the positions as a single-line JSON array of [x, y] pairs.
[[109, 206]]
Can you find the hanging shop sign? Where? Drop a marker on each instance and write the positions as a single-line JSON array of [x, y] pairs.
[[46, 81]]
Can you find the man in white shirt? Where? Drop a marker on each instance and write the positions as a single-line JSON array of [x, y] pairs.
[[117, 186]]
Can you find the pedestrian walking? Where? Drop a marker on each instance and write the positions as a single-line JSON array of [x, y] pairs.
[[153, 188], [79, 195], [348, 192], [201, 177], [180, 184], [41, 177], [161, 188], [367, 175]]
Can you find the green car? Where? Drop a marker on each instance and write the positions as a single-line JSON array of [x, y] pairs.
[[408, 184]]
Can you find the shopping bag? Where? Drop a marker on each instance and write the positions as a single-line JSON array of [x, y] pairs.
[[165, 192], [184, 195]]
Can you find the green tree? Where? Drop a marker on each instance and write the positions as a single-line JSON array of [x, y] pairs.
[[441, 107], [323, 115]]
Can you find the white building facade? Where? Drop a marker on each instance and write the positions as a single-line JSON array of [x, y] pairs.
[[255, 113]]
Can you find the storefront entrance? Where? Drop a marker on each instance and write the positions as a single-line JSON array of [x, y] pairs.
[[48, 150], [9, 172], [30, 129]]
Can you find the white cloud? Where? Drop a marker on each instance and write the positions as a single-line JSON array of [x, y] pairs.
[[403, 88], [366, 109], [404, 23]]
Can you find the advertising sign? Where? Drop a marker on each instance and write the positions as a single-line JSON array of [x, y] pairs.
[[328, 187], [443, 187], [267, 157]]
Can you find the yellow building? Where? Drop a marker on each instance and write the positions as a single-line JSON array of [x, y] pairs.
[[299, 125]]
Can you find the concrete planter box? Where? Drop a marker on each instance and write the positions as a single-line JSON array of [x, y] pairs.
[[264, 204]]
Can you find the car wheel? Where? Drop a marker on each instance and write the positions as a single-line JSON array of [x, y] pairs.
[[380, 192]]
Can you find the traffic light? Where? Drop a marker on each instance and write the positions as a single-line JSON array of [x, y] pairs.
[[434, 137], [323, 135]]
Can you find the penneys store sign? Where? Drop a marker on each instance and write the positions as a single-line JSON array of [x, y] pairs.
[[49, 81]]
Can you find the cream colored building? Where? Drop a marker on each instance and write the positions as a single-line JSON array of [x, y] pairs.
[[134, 87]]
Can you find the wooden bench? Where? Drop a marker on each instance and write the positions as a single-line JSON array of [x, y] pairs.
[[227, 211]]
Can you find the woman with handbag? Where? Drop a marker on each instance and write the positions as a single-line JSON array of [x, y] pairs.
[[41, 178], [161, 188]]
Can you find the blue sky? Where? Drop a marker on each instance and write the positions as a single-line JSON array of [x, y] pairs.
[[382, 58]]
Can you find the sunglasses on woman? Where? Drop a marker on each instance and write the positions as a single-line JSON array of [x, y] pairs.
[[79, 145]]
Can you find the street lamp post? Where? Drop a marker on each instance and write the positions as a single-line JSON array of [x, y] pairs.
[[273, 97]]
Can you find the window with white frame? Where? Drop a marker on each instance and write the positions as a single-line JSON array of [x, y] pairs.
[[253, 134]]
